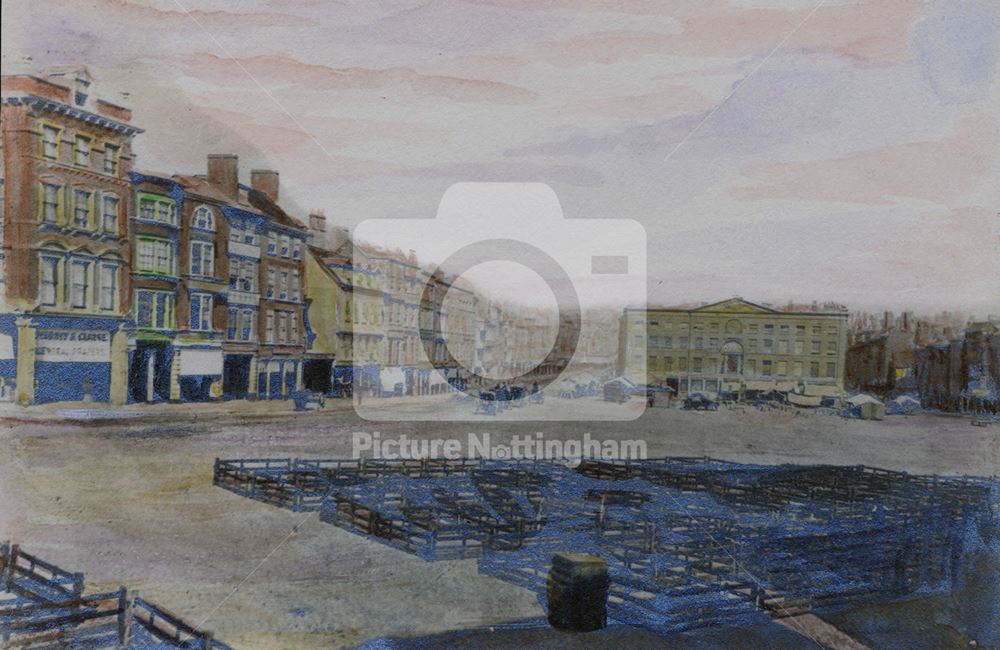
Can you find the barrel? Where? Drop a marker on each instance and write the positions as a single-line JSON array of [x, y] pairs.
[[577, 592]]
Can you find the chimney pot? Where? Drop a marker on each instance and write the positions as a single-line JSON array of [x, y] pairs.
[[223, 173], [265, 181], [317, 221]]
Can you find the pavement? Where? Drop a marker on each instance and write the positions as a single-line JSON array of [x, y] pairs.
[[84, 412], [131, 501]]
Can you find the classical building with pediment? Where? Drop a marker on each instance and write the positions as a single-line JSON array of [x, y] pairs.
[[737, 348]]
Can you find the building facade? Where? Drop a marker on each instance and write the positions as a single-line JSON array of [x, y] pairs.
[[962, 374], [358, 320], [399, 276], [65, 255], [218, 288], [155, 227], [737, 347], [325, 294]]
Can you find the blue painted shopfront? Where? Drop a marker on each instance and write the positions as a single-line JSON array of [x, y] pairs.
[[8, 359], [62, 349]]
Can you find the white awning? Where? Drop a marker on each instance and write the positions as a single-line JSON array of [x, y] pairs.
[[392, 376], [201, 362]]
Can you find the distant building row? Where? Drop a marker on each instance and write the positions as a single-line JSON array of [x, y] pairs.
[[124, 286], [948, 366]]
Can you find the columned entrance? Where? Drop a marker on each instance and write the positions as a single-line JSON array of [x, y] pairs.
[[732, 358]]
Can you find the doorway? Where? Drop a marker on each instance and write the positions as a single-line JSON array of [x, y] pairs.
[[236, 376]]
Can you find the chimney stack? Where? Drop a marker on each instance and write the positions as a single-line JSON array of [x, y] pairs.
[[266, 181], [224, 173], [317, 221]]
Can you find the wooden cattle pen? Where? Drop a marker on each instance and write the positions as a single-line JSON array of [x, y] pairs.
[[689, 541], [44, 606]]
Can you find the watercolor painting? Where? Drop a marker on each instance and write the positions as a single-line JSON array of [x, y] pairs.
[[500, 324]]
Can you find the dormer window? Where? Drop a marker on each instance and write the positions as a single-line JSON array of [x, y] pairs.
[[203, 219], [82, 90]]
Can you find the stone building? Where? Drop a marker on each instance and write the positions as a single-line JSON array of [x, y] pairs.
[[458, 302], [358, 319], [736, 347], [65, 253], [399, 275]]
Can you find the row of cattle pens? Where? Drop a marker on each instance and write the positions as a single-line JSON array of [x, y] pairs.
[[45, 606]]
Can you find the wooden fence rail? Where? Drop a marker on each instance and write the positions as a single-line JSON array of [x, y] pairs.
[[51, 611]]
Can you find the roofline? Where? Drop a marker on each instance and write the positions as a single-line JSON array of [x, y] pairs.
[[76, 113], [770, 312]]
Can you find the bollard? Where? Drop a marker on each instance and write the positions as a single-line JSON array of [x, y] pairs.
[[577, 592]]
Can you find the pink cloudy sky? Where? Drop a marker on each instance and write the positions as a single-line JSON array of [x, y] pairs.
[[858, 162]]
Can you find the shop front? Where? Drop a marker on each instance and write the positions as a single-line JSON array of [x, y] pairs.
[[200, 373], [56, 358]]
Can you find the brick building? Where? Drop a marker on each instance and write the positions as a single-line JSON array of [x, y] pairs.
[[962, 374], [218, 286], [66, 256]]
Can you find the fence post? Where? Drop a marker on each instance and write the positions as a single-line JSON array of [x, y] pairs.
[[124, 617], [12, 567], [4, 553], [77, 584]]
